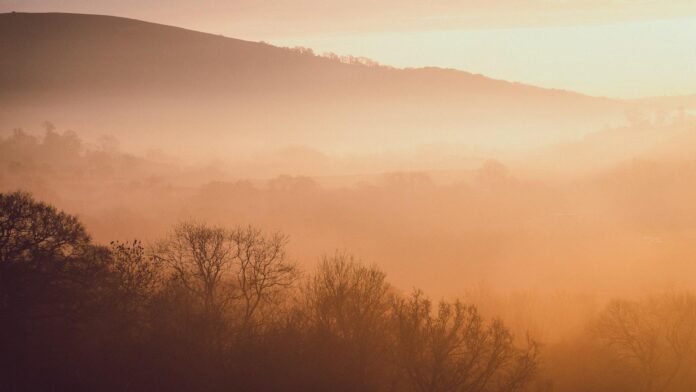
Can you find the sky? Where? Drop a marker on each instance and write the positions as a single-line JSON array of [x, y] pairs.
[[616, 48]]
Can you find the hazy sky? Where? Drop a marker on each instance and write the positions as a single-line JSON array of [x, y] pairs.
[[620, 48]]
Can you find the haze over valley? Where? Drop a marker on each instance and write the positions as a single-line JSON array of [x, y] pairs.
[[563, 222]]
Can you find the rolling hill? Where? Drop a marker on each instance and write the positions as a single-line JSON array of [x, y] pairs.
[[151, 83]]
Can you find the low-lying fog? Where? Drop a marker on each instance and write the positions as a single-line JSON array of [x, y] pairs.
[[608, 215]]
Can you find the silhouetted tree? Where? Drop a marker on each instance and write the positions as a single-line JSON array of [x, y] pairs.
[[200, 257], [137, 275], [261, 269], [453, 349], [52, 281], [223, 268], [346, 305], [31, 232]]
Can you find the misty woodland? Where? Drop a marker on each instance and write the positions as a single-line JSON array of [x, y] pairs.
[[212, 307], [185, 211]]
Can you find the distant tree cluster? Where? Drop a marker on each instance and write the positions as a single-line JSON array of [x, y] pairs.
[[356, 60], [210, 308], [60, 154], [348, 59]]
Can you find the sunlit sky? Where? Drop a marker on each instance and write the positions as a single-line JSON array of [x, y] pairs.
[[617, 48]]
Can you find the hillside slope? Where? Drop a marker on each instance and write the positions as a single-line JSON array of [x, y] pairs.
[[150, 81]]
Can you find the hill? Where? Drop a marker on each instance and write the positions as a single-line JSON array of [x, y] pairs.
[[148, 82]]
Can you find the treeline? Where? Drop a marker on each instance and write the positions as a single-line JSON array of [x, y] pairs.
[[29, 157], [347, 59], [211, 308]]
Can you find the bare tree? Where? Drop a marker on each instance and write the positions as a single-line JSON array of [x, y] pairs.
[[226, 268], [137, 274], [346, 297], [201, 258], [347, 304], [454, 350], [262, 270], [655, 337]]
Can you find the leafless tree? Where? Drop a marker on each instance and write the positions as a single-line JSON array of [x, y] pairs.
[[656, 337], [347, 303], [137, 274], [225, 268], [346, 297], [453, 349], [261, 270], [201, 258]]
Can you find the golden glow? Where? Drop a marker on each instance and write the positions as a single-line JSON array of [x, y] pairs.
[[497, 157]]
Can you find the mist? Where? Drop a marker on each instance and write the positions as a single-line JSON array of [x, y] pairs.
[[254, 217]]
